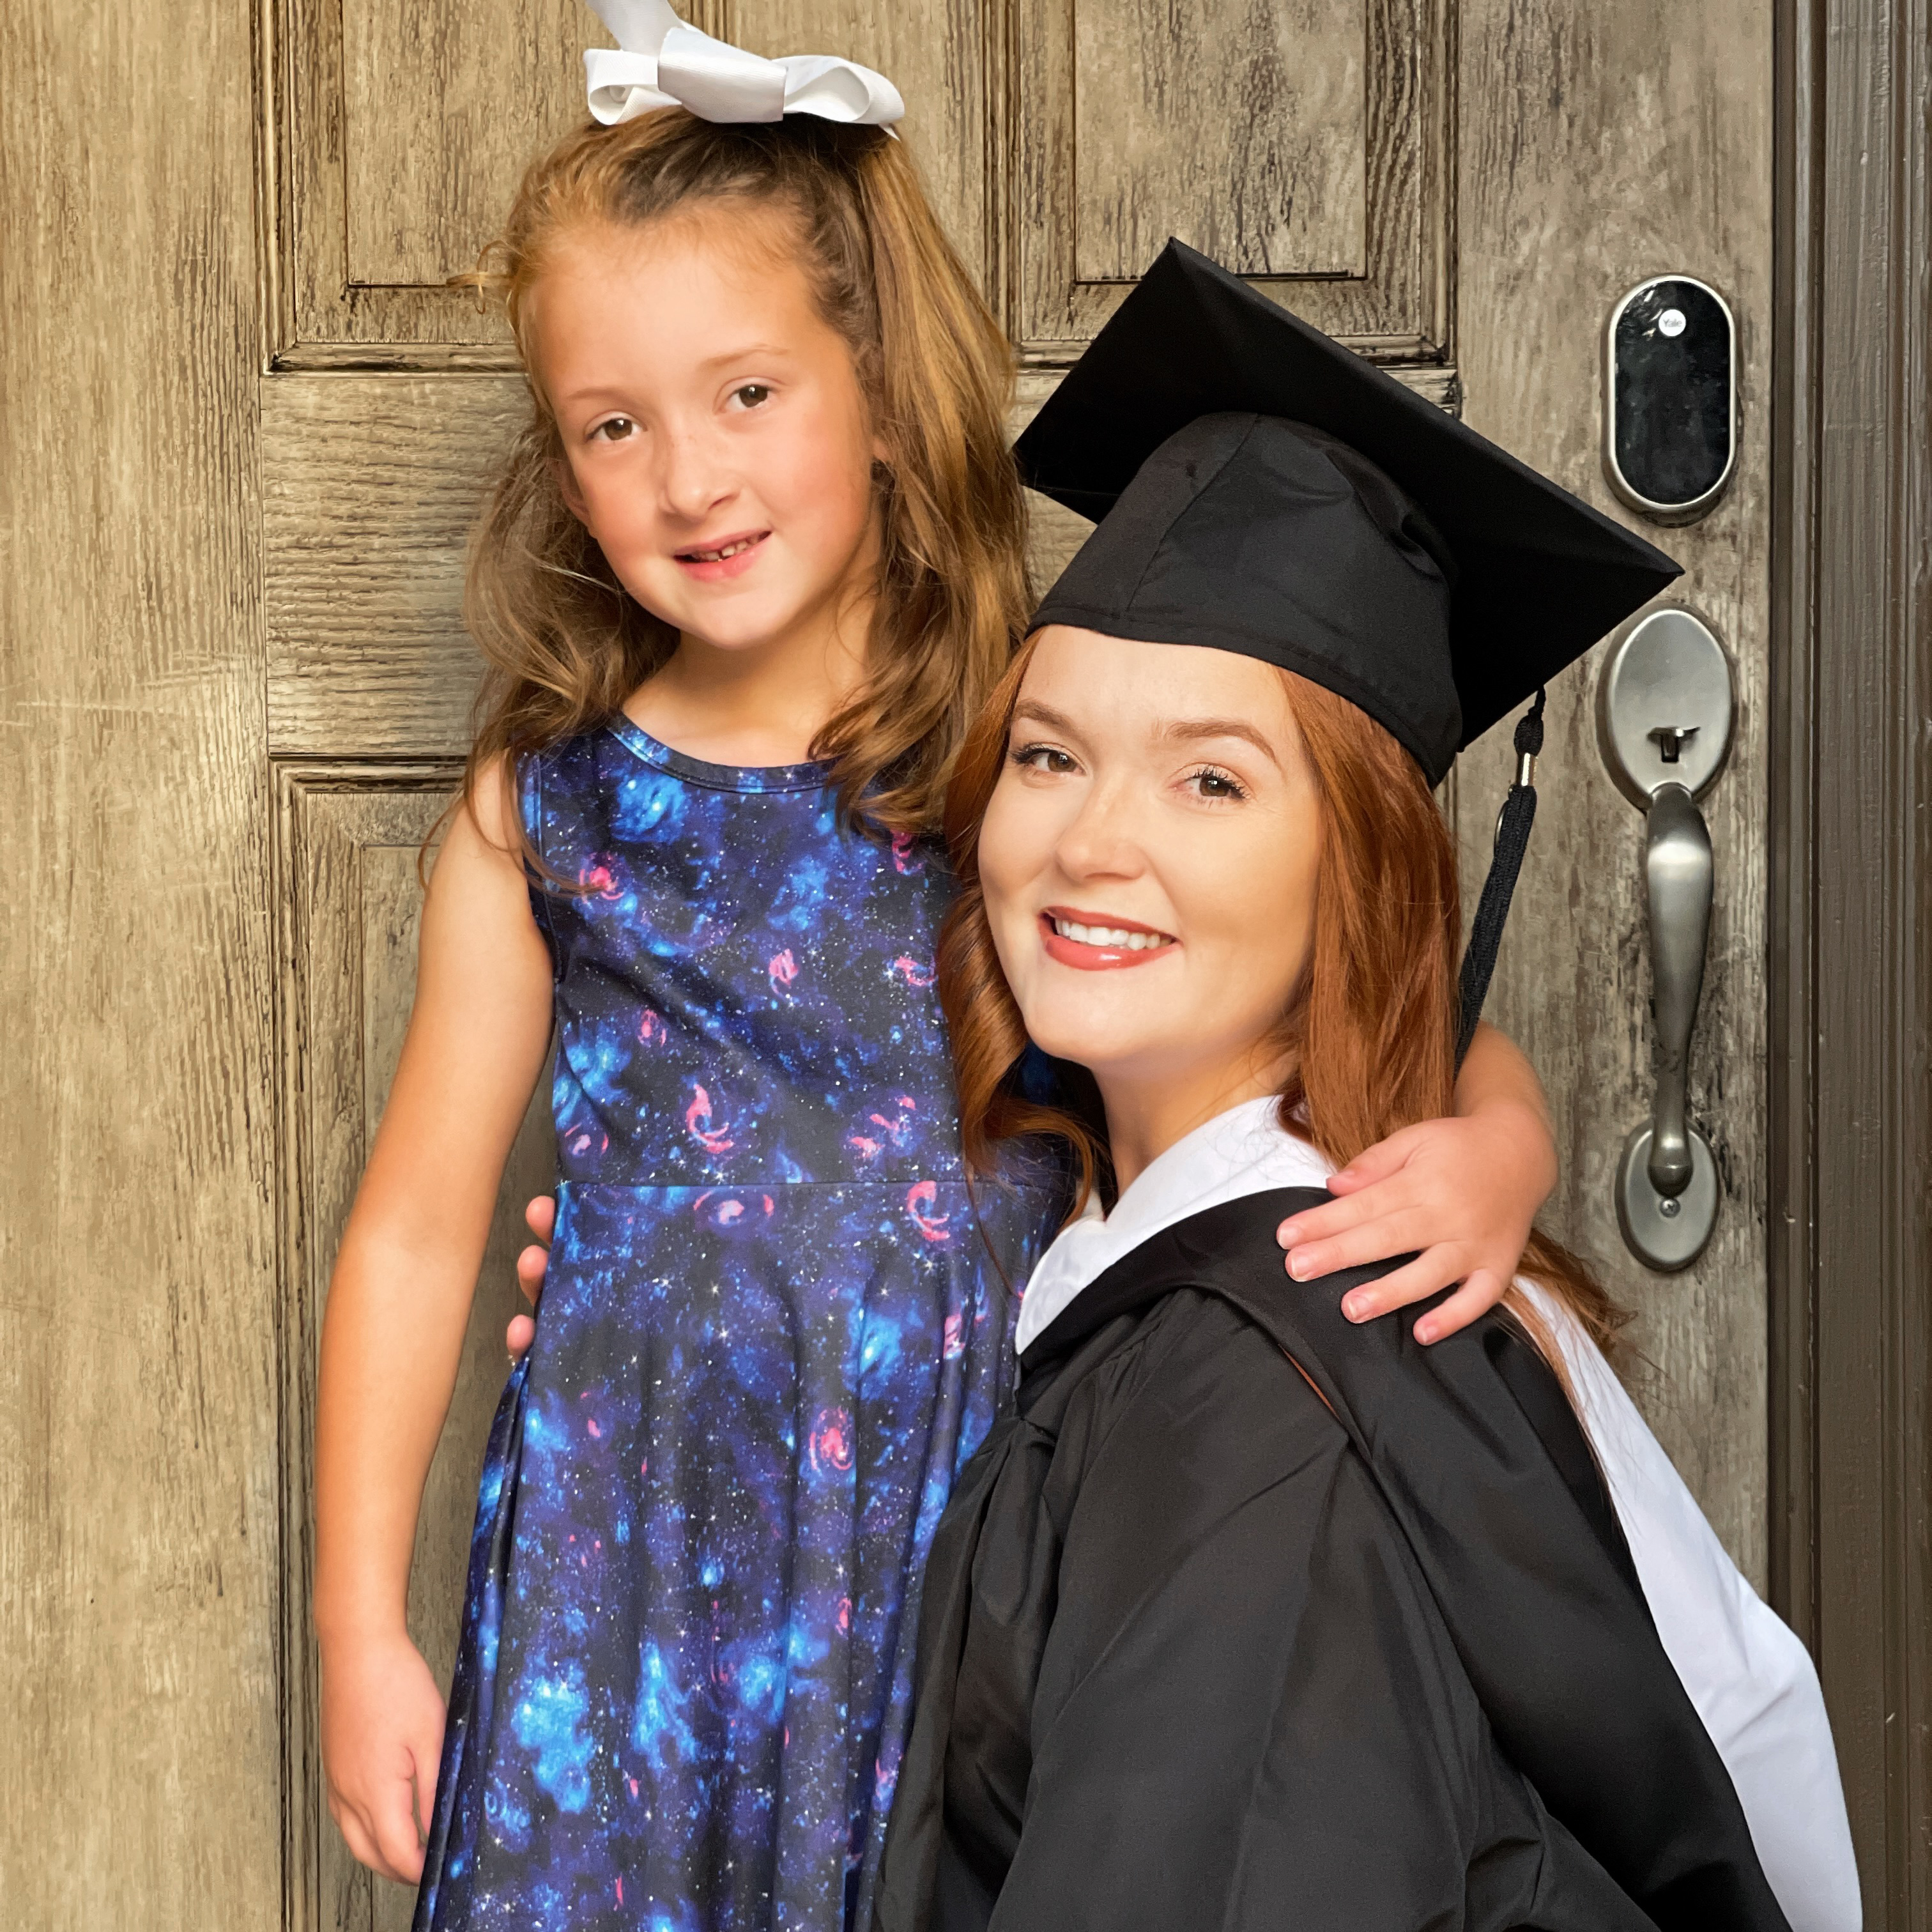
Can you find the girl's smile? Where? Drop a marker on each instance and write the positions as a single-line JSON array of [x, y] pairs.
[[728, 557]]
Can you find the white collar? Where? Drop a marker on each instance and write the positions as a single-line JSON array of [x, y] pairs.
[[1244, 1151]]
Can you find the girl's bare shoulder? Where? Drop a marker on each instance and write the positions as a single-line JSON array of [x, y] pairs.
[[478, 873]]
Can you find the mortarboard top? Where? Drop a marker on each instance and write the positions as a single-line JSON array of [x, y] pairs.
[[1438, 585], [1258, 488]]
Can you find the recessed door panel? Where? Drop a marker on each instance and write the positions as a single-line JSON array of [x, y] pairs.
[[1266, 99]]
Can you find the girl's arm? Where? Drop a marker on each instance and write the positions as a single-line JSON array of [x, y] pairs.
[[398, 1305], [1462, 1192]]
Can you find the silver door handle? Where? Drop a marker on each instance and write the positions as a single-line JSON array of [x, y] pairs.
[[1677, 873], [1665, 720]]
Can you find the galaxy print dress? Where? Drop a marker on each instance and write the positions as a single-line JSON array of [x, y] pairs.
[[776, 1324]]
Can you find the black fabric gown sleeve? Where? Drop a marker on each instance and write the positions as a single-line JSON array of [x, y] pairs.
[[1199, 1650], [1248, 1713], [1551, 1628]]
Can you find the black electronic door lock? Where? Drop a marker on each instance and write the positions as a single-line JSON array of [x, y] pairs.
[[1670, 403]]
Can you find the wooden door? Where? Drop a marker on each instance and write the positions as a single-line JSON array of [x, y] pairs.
[[1313, 145], [254, 427]]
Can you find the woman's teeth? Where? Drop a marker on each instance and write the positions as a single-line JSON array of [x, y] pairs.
[[1117, 937], [718, 555]]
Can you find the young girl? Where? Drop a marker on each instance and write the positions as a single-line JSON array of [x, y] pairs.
[[753, 566]]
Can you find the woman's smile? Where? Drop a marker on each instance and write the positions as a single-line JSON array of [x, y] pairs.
[[1099, 942]]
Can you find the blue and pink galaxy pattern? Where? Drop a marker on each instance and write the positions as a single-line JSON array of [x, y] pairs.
[[773, 1331]]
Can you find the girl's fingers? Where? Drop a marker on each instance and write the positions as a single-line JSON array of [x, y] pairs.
[[540, 1217], [398, 1836], [361, 1834], [361, 1847], [1428, 1274], [1476, 1297], [1376, 1163], [518, 1336], [1379, 1240], [1337, 1216], [532, 1265], [402, 1856]]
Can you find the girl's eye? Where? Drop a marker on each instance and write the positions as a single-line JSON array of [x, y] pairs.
[[751, 394], [614, 429], [1044, 758], [1210, 782]]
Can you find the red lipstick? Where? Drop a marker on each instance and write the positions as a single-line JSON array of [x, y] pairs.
[[1089, 955]]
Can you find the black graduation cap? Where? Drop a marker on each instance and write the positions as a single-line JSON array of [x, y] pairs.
[[1260, 489]]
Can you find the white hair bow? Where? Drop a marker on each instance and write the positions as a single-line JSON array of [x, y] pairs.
[[659, 61]]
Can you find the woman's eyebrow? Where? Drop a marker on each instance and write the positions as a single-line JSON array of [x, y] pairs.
[[1034, 712], [1187, 730]]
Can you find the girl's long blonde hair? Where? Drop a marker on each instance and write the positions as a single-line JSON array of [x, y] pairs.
[[566, 644]]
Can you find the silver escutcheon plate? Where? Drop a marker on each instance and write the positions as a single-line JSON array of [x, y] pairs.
[[1664, 718]]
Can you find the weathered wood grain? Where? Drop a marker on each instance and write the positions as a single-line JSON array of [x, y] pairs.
[[1389, 297], [400, 136], [443, 108], [139, 1498], [1851, 945], [1267, 99], [1653, 155], [352, 906], [934, 54], [370, 485]]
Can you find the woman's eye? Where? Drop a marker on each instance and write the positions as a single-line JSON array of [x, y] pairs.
[[1211, 783], [1044, 758], [751, 394], [614, 429]]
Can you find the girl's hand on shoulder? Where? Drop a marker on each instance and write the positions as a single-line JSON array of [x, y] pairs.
[[1460, 1194], [381, 1740]]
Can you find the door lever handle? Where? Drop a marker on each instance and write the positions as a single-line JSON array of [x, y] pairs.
[[1665, 721], [1677, 873]]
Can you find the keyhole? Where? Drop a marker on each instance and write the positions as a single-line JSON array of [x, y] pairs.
[[1670, 740]]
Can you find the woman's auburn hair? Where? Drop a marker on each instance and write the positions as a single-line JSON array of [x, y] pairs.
[[1370, 1030], [565, 644]]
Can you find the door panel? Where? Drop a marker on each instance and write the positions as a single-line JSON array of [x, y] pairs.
[[370, 485], [349, 839], [1313, 150], [1287, 151], [398, 136]]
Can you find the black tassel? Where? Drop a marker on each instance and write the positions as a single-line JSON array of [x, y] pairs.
[[1519, 814]]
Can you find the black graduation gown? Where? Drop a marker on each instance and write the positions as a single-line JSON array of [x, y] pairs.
[[1200, 1648]]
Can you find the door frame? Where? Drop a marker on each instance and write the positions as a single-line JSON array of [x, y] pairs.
[[1850, 828]]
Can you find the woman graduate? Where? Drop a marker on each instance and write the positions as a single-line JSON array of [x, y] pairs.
[[1249, 1616]]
